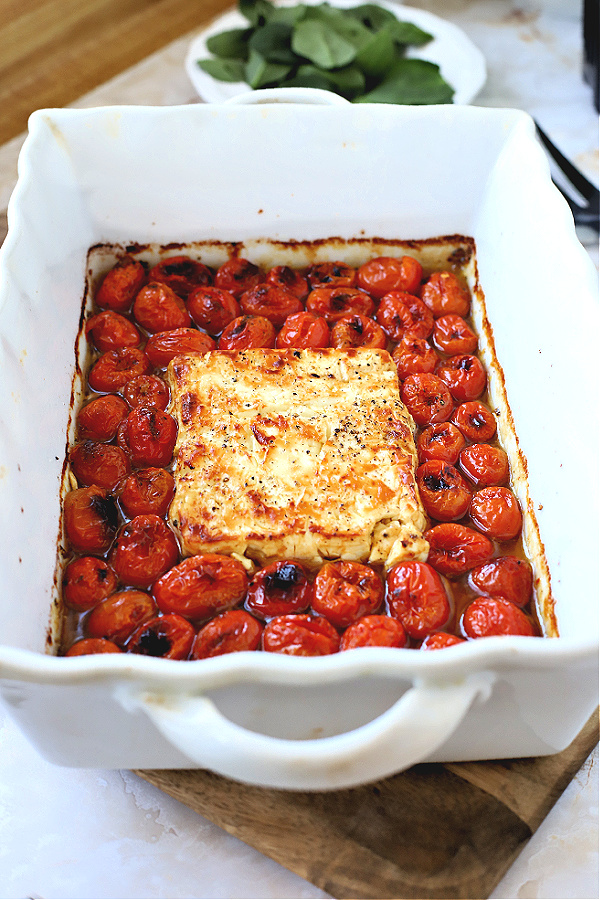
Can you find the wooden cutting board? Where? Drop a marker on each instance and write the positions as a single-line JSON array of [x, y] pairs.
[[449, 831]]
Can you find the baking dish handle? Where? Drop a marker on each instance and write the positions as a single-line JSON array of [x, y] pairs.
[[310, 96], [407, 733]]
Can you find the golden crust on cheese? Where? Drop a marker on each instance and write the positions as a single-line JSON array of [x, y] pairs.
[[304, 454]]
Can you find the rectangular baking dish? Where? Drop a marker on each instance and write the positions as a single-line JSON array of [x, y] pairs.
[[299, 172]]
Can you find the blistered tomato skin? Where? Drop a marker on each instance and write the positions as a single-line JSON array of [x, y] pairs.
[[120, 285], [247, 332], [414, 356], [491, 616], [508, 576], [331, 274], [334, 303], [164, 345], [465, 376], [181, 273], [149, 435], [278, 589], [475, 421], [212, 308], [117, 617], [290, 279], [87, 581], [455, 548], [440, 441], [90, 519], [485, 465], [146, 492], [101, 464], [358, 331], [233, 631], [416, 596], [403, 315], [374, 631], [274, 303], [99, 419], [496, 512], [144, 550], [427, 398], [443, 293], [146, 390], [238, 275], [303, 330], [201, 586], [452, 335], [344, 591], [437, 640], [164, 637], [116, 367], [109, 330], [91, 646], [387, 273], [444, 492], [158, 308], [300, 635]]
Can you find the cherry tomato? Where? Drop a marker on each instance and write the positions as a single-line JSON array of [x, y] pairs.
[[238, 275], [358, 331], [181, 274], [464, 375], [144, 550], [158, 308], [303, 330], [116, 367], [201, 586], [344, 591], [496, 512], [506, 575], [300, 635], [403, 315], [485, 465], [454, 548], [99, 419], [248, 332], [374, 631], [417, 597], [490, 616], [437, 640], [90, 646], [274, 303], [90, 519], [230, 632], [475, 421], [146, 390], [281, 587], [162, 347], [165, 637], [109, 330], [290, 279], [443, 293], [212, 308], [101, 464], [427, 398], [120, 285], [117, 617], [414, 355], [87, 580], [149, 435], [444, 493], [452, 335], [147, 491], [386, 273], [442, 441], [334, 303], [331, 274]]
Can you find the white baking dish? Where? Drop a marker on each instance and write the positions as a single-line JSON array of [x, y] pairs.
[[299, 172]]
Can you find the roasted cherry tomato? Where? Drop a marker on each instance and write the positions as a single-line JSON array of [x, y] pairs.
[[101, 464], [437, 640], [454, 548], [238, 275], [475, 421], [465, 376], [99, 419], [90, 646], [427, 398], [443, 293], [403, 315], [212, 308], [117, 617], [158, 308], [166, 637], [116, 367], [144, 550], [358, 331], [414, 355], [442, 441], [444, 492], [496, 512], [90, 519], [147, 491], [146, 390], [416, 596], [109, 330], [87, 580], [374, 631], [490, 616], [280, 588], [452, 335], [334, 303], [229, 632], [303, 330], [181, 273], [507, 576], [248, 332], [300, 635], [274, 303], [201, 586], [386, 273], [331, 274], [485, 465], [149, 435], [162, 347], [290, 279], [344, 591], [120, 285]]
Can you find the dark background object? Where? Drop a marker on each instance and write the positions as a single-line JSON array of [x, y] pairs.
[[591, 37]]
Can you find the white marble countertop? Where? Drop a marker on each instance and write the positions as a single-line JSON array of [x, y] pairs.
[[108, 834]]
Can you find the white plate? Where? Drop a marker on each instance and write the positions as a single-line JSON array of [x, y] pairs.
[[461, 63]]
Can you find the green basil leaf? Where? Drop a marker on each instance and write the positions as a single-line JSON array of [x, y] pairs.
[[223, 69], [371, 16], [405, 33], [289, 15], [230, 44], [349, 81], [273, 42], [338, 21], [256, 11], [259, 72], [411, 81], [378, 54], [313, 40], [310, 77]]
